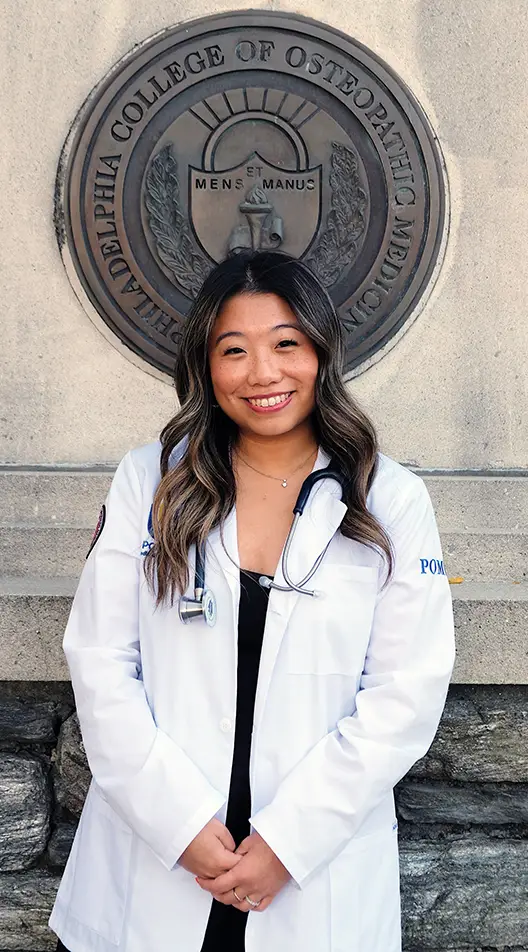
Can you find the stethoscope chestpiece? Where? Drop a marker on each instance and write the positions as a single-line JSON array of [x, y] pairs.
[[202, 606]]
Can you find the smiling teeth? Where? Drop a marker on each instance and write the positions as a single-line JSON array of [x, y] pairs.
[[269, 401]]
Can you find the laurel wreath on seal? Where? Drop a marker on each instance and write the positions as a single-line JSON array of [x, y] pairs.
[[174, 244], [345, 223]]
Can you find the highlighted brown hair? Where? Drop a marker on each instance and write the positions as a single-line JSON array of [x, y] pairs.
[[198, 491]]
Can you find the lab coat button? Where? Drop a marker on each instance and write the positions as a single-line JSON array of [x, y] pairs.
[[226, 725]]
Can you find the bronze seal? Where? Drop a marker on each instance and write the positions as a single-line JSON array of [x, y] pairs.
[[251, 130]]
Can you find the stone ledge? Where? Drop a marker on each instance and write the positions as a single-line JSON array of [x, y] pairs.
[[479, 503], [479, 556], [472, 503], [56, 498], [491, 622], [50, 551], [33, 616]]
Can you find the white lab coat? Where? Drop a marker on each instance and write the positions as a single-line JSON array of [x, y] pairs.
[[350, 691]]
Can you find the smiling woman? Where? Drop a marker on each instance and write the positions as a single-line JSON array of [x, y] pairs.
[[262, 327], [268, 350], [249, 767]]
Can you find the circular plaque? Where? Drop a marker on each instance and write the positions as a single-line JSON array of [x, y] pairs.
[[251, 130]]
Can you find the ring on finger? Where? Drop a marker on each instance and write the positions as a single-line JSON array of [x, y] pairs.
[[252, 903], [237, 897]]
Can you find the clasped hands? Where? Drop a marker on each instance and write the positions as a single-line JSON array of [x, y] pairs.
[[251, 870]]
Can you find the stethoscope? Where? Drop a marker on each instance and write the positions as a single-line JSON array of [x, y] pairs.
[[203, 605]]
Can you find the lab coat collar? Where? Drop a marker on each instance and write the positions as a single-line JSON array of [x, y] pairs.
[[320, 521], [222, 547]]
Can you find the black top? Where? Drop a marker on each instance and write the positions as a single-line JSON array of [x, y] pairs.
[[227, 925]]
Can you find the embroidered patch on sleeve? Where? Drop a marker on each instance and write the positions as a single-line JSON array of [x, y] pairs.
[[98, 529]]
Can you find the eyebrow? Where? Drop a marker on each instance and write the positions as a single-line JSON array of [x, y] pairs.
[[278, 327]]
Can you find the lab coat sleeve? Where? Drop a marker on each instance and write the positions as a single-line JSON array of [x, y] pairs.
[[147, 778], [323, 801]]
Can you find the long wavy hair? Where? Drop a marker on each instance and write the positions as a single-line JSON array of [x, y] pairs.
[[197, 492]]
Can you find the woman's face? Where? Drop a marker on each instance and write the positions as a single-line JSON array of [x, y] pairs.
[[263, 366]]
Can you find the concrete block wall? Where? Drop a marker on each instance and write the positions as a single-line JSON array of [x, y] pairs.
[[47, 520], [452, 394]]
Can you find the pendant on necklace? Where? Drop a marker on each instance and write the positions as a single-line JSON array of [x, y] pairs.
[[285, 483]]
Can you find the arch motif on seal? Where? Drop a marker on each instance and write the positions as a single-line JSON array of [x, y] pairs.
[[259, 220]]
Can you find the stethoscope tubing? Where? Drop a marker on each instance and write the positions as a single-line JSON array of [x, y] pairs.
[[292, 586], [203, 604]]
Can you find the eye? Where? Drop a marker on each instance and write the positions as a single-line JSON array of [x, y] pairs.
[[288, 342], [233, 350]]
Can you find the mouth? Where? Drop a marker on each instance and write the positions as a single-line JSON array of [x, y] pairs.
[[269, 403]]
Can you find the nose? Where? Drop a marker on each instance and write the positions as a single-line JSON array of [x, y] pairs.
[[264, 370]]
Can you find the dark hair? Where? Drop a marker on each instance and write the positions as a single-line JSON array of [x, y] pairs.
[[197, 493]]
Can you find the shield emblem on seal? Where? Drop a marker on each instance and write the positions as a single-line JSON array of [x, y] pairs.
[[255, 205]]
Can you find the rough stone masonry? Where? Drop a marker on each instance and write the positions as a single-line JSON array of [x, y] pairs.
[[463, 818]]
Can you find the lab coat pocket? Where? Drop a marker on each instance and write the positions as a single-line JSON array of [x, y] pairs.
[[329, 634], [102, 869], [365, 897]]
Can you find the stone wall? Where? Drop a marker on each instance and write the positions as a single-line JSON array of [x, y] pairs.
[[463, 817], [450, 397]]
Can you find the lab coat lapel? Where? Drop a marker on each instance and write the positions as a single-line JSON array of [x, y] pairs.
[[320, 521], [222, 552]]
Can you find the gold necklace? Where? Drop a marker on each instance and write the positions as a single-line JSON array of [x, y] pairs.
[[282, 480]]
